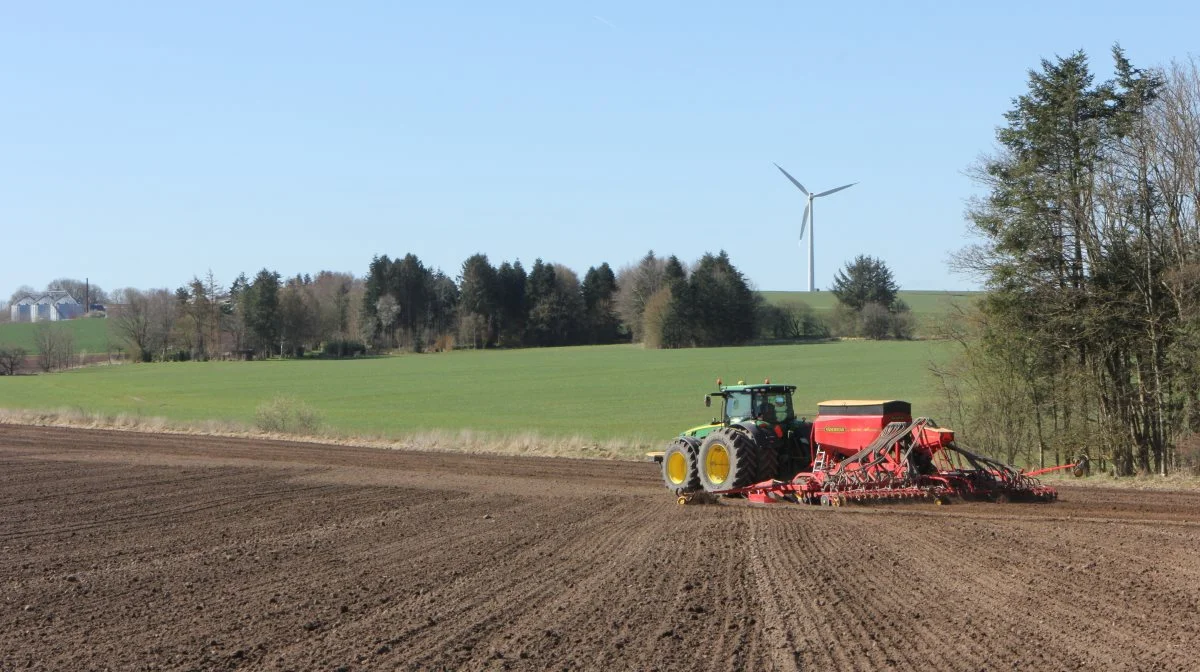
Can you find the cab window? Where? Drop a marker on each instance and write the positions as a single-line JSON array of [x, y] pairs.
[[774, 407], [737, 405]]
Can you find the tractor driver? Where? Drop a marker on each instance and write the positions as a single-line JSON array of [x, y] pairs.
[[766, 411]]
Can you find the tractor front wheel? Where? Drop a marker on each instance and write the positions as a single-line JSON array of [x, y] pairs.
[[728, 460], [679, 465]]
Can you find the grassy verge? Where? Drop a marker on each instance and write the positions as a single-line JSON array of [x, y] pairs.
[[1177, 481], [462, 441]]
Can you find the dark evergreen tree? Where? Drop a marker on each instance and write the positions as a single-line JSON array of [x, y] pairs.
[[443, 304], [673, 271], [260, 307], [721, 303], [510, 284], [864, 281], [411, 287], [599, 291], [677, 328], [375, 286], [543, 315]]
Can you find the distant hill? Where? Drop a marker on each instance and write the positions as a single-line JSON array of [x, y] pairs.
[[928, 307], [921, 302]]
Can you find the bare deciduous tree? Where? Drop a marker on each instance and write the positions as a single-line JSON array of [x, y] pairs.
[[130, 322], [388, 313], [55, 345], [145, 321], [635, 285]]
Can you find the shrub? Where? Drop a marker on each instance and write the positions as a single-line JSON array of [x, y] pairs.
[[443, 343], [876, 321], [1188, 452], [903, 322], [287, 415], [340, 348], [790, 320], [654, 319], [844, 321]]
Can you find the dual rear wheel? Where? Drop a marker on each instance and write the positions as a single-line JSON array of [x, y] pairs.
[[728, 458]]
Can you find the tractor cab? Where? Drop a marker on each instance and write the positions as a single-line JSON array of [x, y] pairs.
[[763, 403]]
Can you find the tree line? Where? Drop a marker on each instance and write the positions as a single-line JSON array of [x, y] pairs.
[[1087, 339], [258, 316], [402, 303]]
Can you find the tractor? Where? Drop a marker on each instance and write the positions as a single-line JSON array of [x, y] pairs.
[[852, 451], [757, 438]]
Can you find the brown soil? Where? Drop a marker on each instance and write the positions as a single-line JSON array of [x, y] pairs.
[[127, 551]]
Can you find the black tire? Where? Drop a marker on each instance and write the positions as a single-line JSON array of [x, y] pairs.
[[728, 459], [766, 450], [679, 465], [768, 459]]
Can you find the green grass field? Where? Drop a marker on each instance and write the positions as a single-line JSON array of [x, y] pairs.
[[91, 335], [601, 392]]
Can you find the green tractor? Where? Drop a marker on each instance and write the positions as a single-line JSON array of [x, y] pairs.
[[757, 438]]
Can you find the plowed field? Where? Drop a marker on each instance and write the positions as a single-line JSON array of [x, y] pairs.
[[126, 551]]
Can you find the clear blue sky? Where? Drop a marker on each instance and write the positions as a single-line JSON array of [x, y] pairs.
[[143, 143]]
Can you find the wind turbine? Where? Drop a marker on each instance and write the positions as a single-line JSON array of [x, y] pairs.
[[808, 219]]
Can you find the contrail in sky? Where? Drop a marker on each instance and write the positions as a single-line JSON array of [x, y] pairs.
[[605, 21]]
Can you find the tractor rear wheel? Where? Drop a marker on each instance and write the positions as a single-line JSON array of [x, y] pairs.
[[728, 460], [766, 451], [679, 465], [768, 460]]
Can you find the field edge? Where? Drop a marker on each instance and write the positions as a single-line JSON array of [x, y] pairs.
[[532, 444]]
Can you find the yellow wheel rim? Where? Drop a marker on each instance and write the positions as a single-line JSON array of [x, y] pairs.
[[677, 468], [716, 464]]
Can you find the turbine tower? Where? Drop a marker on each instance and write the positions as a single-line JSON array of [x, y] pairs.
[[808, 218]]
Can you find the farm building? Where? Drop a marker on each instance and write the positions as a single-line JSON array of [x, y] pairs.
[[51, 306]]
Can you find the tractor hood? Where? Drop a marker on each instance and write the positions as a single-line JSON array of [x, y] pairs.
[[700, 431]]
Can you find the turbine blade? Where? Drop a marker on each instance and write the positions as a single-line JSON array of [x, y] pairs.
[[794, 181], [804, 220], [831, 191]]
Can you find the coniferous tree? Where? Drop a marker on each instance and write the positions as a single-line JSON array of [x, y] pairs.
[[864, 281], [676, 328], [539, 297], [510, 285], [443, 309], [599, 290], [411, 287], [722, 304], [260, 306]]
